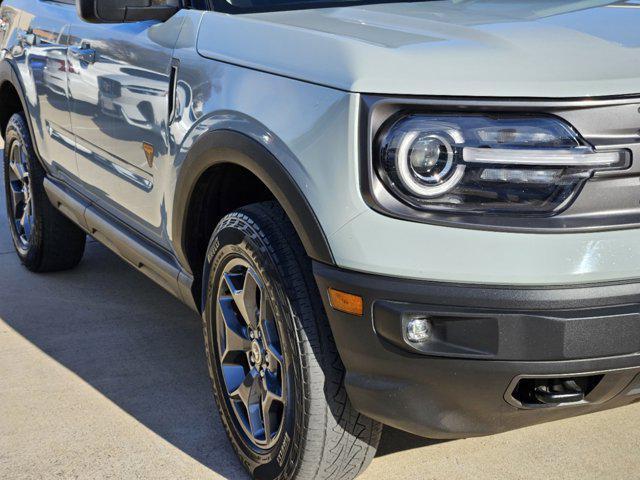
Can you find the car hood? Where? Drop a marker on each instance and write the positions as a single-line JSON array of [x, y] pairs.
[[535, 48]]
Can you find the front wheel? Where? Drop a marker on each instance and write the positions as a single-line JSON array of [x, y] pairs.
[[278, 379]]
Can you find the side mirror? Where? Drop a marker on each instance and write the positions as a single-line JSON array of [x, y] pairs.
[[123, 11]]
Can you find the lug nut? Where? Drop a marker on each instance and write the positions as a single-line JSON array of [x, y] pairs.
[[251, 334], [262, 373]]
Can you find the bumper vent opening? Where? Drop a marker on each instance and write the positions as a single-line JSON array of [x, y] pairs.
[[550, 392]]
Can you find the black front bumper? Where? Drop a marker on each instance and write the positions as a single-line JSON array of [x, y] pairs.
[[489, 345]]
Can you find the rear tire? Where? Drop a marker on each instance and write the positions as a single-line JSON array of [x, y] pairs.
[[44, 239], [318, 434]]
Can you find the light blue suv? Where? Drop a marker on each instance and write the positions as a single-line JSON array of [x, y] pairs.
[[424, 214]]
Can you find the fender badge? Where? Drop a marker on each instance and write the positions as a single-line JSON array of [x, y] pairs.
[[148, 151]]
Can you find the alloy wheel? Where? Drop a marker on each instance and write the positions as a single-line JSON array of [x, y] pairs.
[[250, 354], [20, 195]]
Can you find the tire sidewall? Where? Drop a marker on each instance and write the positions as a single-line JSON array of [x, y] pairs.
[[228, 242]]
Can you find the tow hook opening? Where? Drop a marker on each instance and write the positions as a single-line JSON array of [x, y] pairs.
[[553, 392]]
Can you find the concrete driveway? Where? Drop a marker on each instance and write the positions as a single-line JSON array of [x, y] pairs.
[[102, 376]]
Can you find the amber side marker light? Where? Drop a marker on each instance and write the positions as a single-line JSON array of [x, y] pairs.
[[346, 302]]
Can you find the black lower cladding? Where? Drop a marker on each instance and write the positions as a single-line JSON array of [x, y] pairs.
[[497, 358]]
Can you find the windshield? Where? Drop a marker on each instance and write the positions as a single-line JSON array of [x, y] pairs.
[[252, 6], [525, 9]]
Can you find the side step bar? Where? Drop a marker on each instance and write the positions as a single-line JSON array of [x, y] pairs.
[[156, 263]]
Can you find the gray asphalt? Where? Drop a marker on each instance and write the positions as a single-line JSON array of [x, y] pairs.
[[102, 376]]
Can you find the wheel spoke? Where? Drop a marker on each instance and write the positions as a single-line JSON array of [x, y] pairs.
[[25, 221], [251, 295], [235, 334], [266, 417], [270, 396], [273, 387], [245, 295], [271, 341], [264, 309], [248, 393], [17, 198], [18, 166], [26, 192], [14, 168], [245, 390], [236, 292], [256, 425], [233, 376]]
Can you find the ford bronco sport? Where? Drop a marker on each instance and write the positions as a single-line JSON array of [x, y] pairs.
[[422, 214]]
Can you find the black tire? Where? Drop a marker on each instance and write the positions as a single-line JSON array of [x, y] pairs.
[[54, 243], [322, 436]]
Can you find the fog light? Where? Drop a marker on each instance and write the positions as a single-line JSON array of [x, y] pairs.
[[418, 329]]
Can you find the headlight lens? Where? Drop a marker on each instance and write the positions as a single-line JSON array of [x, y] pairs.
[[486, 164], [426, 164]]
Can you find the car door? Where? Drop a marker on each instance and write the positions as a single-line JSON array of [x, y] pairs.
[[119, 85], [41, 58]]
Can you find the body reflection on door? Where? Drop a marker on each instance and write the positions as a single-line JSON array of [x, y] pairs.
[[119, 94]]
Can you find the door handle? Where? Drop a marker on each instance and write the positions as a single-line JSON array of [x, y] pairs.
[[83, 53]]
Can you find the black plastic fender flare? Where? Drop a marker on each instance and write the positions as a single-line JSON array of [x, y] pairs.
[[228, 146], [8, 74]]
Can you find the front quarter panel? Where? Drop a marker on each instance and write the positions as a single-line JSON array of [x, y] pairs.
[[306, 127]]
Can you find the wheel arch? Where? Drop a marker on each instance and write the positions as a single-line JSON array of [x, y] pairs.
[[228, 147], [12, 93]]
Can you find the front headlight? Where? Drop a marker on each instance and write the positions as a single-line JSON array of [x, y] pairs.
[[486, 164]]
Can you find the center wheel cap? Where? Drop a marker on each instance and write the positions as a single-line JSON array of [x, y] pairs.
[[257, 352]]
